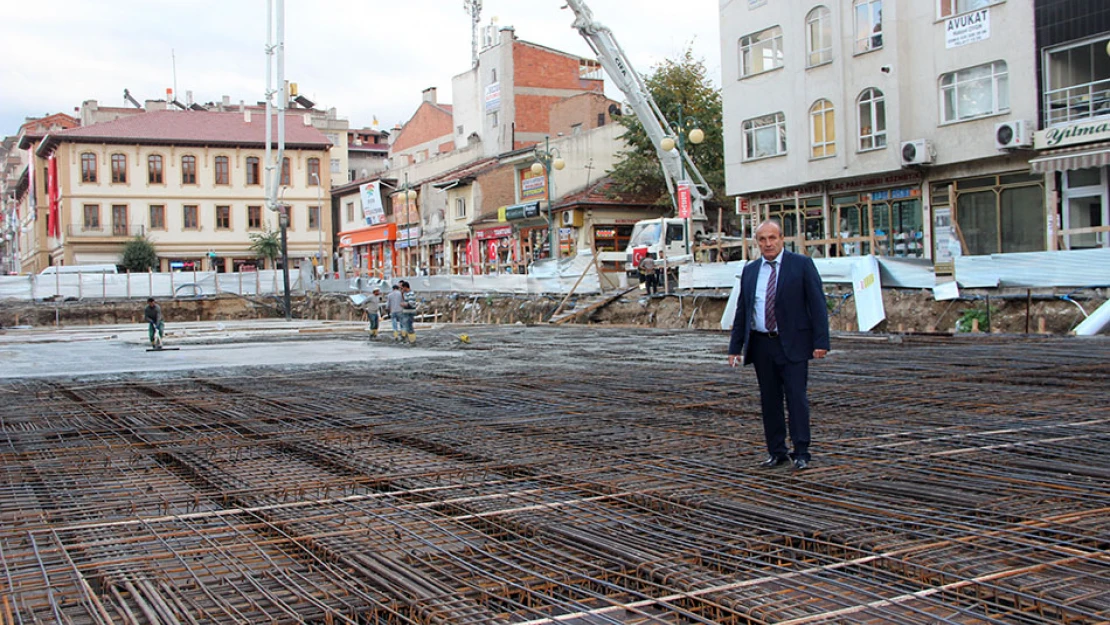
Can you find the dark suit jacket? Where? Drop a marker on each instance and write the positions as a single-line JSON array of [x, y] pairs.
[[803, 319]]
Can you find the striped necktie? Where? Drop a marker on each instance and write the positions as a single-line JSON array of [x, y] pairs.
[[769, 308]]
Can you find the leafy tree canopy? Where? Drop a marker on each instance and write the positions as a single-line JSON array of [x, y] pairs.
[[139, 255], [266, 244], [676, 82]]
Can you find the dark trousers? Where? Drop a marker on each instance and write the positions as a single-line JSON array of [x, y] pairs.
[[650, 280], [779, 380]]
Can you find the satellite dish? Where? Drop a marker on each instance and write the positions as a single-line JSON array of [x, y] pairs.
[[615, 110]]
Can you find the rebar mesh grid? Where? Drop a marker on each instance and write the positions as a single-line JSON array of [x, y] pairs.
[[574, 476]]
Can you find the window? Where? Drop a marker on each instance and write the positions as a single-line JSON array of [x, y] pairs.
[[289, 213], [223, 218], [188, 170], [600, 120], [119, 220], [1077, 80], [949, 8], [975, 92], [350, 211], [222, 172], [872, 120], [254, 217], [119, 168], [88, 167], [286, 178], [91, 217], [1002, 214], [764, 136], [336, 165], [819, 45], [460, 207], [313, 172], [253, 170], [189, 217], [154, 169], [313, 217], [761, 52], [822, 129], [869, 25], [157, 216]]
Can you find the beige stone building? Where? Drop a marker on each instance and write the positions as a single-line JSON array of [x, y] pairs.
[[192, 182]]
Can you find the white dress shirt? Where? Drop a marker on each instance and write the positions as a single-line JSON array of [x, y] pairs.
[[759, 322]]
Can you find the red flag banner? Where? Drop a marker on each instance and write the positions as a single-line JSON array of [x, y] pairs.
[[52, 225], [684, 201]]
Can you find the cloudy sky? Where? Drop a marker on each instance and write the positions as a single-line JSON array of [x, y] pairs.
[[366, 58]]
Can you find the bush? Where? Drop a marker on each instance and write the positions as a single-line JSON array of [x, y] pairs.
[[139, 255]]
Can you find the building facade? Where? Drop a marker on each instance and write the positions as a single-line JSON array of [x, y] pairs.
[[876, 126], [192, 182]]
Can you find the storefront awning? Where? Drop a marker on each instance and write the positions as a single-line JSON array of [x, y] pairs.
[[369, 234], [1064, 159]]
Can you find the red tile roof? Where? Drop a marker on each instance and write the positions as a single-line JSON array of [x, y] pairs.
[[195, 128]]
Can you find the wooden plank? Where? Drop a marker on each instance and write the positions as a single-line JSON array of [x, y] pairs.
[[603, 301]]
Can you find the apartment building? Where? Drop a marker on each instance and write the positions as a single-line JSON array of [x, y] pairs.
[[887, 127], [1073, 142], [190, 181]]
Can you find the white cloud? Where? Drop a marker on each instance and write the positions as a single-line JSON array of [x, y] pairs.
[[365, 59]]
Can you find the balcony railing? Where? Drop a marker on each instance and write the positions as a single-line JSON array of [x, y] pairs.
[[105, 231], [1077, 102]]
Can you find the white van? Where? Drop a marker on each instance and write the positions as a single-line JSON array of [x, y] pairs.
[[74, 269]]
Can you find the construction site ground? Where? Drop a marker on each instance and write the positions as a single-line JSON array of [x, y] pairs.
[[297, 472]]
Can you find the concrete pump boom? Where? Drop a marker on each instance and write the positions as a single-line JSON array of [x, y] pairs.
[[616, 64]]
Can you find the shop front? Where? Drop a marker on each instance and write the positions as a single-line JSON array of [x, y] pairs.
[[531, 233], [369, 250], [1075, 161], [496, 249]]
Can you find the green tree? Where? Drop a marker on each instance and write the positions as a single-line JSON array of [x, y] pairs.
[[266, 245], [139, 255], [682, 82]]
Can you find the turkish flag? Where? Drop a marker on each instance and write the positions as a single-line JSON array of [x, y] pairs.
[[52, 226]]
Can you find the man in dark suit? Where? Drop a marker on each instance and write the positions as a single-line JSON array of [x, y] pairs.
[[781, 322]]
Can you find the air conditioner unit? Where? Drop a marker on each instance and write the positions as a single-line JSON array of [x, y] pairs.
[[571, 218], [1012, 135], [917, 152]]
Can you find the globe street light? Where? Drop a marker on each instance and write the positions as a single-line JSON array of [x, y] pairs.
[[685, 129], [547, 159]]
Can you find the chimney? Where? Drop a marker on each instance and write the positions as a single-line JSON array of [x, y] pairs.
[[189, 98], [307, 119], [247, 115], [226, 102], [242, 106], [429, 95], [154, 105]]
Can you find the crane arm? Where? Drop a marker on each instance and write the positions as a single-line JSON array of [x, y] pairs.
[[609, 53]]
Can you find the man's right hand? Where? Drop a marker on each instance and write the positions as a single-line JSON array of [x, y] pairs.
[[734, 360]]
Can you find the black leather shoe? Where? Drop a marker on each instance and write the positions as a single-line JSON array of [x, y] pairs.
[[800, 464], [774, 461]]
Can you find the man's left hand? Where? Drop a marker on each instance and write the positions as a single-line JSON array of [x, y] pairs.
[[820, 353]]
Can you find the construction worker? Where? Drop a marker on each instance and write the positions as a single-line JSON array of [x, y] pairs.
[[394, 303], [408, 314], [156, 322], [372, 308]]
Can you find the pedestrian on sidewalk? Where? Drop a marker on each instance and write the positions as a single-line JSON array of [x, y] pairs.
[[781, 323], [155, 321]]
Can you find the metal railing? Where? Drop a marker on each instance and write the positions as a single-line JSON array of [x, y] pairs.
[[104, 230]]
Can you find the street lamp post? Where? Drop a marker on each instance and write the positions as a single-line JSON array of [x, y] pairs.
[[547, 159], [408, 195], [685, 129]]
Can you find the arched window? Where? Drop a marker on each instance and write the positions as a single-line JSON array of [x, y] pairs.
[[819, 42], [822, 134], [188, 169], [119, 168], [88, 167], [222, 170], [872, 119], [154, 169]]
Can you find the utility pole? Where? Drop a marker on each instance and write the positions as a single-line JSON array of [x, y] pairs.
[[474, 9], [273, 179]]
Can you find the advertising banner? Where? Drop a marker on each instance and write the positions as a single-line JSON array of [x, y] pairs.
[[372, 208], [682, 190]]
